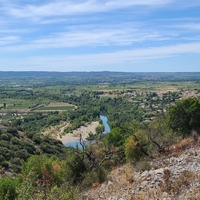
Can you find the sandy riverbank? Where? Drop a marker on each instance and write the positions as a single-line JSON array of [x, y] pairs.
[[83, 130]]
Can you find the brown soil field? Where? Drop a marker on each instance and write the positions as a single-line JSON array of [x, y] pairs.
[[54, 104]]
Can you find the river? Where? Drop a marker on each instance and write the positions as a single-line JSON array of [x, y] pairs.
[[105, 123], [106, 130]]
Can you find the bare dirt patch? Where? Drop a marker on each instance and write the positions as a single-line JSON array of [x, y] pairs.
[[75, 136], [54, 104]]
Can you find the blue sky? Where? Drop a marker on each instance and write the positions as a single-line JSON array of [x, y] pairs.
[[99, 35]]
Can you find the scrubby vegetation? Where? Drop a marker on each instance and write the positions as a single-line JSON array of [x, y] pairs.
[[16, 146]]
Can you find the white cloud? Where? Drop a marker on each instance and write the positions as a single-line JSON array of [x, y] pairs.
[[60, 8], [139, 54], [95, 37], [98, 37], [189, 26], [8, 40], [81, 62], [119, 3], [180, 4], [6, 30]]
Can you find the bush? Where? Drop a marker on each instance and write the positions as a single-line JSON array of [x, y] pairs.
[[22, 154], [97, 176], [116, 137], [7, 154], [143, 166], [15, 140], [5, 164], [136, 146], [28, 191], [2, 158], [36, 139], [30, 148], [47, 148], [16, 168], [4, 143], [12, 130], [16, 161], [8, 188], [131, 149], [44, 169], [99, 129], [5, 136]]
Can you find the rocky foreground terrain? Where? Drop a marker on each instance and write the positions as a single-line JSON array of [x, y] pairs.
[[172, 176]]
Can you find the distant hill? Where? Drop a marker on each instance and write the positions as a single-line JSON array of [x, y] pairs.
[[136, 75]]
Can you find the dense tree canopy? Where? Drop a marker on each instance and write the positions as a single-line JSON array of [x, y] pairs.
[[184, 116]]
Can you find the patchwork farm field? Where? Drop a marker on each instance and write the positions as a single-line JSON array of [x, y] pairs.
[[58, 106], [19, 105]]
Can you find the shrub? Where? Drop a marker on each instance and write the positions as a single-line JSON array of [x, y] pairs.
[[44, 168], [2, 158], [6, 136], [8, 188], [133, 149], [116, 137], [7, 154], [15, 140], [143, 166], [96, 176], [5, 164], [30, 148], [47, 148], [4, 143], [16, 168], [36, 139], [22, 154], [12, 130]]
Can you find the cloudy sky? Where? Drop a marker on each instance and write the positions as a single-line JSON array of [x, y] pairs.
[[99, 35]]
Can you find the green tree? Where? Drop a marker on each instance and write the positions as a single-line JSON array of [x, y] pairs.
[[116, 137], [99, 128], [184, 116]]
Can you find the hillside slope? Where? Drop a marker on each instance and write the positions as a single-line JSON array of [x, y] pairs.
[[17, 146], [174, 175]]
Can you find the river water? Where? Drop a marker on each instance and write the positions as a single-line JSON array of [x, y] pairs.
[[106, 130], [105, 123]]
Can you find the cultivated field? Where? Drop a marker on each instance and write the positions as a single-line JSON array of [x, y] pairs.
[[57, 106]]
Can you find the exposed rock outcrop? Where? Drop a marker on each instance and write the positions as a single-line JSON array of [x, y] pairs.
[[172, 176]]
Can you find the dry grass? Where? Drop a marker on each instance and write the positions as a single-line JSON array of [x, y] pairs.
[[129, 174], [184, 186], [176, 187], [185, 179], [142, 165], [179, 147], [183, 144], [166, 186]]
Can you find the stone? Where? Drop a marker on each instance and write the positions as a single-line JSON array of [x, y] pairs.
[[144, 183], [112, 198]]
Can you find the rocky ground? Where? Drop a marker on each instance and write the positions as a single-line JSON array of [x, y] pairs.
[[171, 176]]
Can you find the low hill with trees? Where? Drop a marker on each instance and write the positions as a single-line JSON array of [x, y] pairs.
[[17, 146]]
